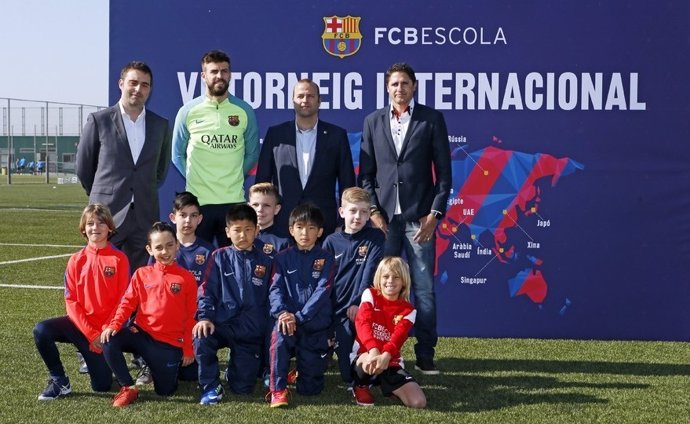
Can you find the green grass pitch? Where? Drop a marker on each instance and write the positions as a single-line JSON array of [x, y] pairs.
[[482, 380]]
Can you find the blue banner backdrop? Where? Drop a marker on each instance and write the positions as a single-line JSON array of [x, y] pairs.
[[568, 123]]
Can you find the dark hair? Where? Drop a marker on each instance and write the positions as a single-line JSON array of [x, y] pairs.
[[214, 56], [307, 212], [160, 227], [185, 199], [401, 67], [139, 66], [241, 212], [310, 82]]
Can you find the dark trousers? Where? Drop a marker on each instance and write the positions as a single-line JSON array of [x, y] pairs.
[[243, 365], [163, 359], [63, 330], [344, 339], [311, 350], [213, 225], [130, 237]]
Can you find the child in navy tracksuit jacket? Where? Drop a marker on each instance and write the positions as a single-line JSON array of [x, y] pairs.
[[233, 308], [265, 200], [300, 301], [358, 249]]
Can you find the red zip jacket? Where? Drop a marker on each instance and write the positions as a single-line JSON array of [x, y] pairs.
[[383, 324], [165, 296], [95, 280]]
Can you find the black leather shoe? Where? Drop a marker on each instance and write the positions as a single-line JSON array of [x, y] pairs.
[[426, 366]]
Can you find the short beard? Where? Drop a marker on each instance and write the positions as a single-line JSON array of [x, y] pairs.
[[218, 92]]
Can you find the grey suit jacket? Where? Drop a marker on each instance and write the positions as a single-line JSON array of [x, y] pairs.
[[108, 173]]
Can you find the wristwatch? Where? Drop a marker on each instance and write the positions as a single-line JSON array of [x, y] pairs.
[[437, 214]]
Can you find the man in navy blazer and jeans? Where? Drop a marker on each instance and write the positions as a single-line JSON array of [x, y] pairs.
[[405, 166], [122, 157], [304, 158]]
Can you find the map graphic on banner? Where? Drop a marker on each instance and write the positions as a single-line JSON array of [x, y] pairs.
[[492, 190]]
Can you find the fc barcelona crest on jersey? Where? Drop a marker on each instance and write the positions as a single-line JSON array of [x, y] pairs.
[[318, 264], [109, 271], [234, 120], [268, 248], [199, 259], [363, 250], [260, 271], [341, 36], [175, 287]]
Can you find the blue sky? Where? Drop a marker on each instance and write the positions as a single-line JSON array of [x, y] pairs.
[[54, 50]]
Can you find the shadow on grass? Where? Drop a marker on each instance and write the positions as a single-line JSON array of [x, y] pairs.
[[560, 367], [476, 393]]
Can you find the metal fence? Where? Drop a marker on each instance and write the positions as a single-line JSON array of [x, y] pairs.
[[40, 136], [21, 117]]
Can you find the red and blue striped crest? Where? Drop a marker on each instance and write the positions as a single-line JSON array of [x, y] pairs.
[[341, 36]]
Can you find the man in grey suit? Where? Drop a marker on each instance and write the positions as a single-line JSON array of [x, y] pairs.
[[305, 158], [404, 164], [122, 157]]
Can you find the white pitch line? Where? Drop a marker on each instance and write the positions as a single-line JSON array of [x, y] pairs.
[[40, 245], [26, 286], [40, 210], [34, 259]]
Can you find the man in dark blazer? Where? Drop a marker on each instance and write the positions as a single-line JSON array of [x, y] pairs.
[[305, 158], [122, 157], [405, 166]]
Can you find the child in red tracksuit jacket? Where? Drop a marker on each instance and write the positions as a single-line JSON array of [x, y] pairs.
[[384, 319], [95, 280], [164, 297]]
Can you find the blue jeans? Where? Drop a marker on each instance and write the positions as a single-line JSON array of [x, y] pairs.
[[421, 260], [63, 330]]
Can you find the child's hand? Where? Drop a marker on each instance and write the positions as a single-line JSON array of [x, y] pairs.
[[368, 361], [352, 312], [107, 334], [203, 328], [287, 323], [187, 361], [381, 363], [96, 345]]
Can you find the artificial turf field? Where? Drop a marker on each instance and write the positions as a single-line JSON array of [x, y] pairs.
[[482, 380]]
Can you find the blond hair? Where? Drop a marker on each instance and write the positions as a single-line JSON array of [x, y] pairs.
[[356, 195], [397, 266], [100, 211], [267, 189]]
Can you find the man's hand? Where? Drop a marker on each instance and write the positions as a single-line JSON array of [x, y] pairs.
[[378, 222], [427, 226], [352, 312]]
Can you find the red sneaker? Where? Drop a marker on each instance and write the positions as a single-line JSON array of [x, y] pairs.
[[292, 377], [279, 398], [125, 396], [363, 396]]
